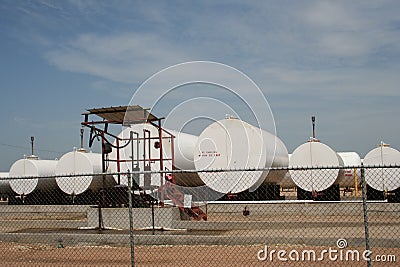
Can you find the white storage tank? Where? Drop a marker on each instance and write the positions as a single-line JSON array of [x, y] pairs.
[[5, 184], [183, 149], [32, 167], [81, 162], [350, 159], [382, 179], [235, 144], [315, 154]]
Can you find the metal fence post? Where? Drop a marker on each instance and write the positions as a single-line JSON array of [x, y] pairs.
[[365, 211], [131, 237]]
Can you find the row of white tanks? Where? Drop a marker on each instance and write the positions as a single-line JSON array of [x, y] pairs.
[[52, 171], [225, 144], [317, 154]]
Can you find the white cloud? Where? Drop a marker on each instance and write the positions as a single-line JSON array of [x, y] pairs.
[[121, 58], [361, 82], [349, 29], [323, 46], [345, 44], [332, 14]]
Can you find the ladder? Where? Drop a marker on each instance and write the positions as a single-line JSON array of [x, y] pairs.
[[172, 192]]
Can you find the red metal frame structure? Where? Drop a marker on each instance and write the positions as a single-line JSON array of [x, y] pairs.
[[127, 115]]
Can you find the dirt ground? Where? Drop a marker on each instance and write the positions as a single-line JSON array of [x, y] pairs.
[[384, 227], [13, 254]]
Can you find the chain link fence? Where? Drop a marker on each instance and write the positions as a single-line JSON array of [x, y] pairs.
[[313, 217]]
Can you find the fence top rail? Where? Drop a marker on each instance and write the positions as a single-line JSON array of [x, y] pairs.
[[292, 168]]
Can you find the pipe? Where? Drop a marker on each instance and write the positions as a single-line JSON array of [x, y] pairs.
[[82, 131], [313, 126], [32, 143]]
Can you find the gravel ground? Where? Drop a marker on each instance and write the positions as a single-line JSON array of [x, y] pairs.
[[384, 227], [39, 255]]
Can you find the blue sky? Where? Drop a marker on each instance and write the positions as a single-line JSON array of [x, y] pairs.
[[338, 60]]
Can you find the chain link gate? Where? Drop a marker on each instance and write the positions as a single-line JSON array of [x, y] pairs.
[[175, 225]]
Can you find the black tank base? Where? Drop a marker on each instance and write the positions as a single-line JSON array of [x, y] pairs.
[[303, 194], [394, 196], [330, 194], [38, 198], [373, 194], [263, 192]]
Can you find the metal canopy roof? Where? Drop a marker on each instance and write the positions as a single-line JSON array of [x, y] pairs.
[[123, 114]]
